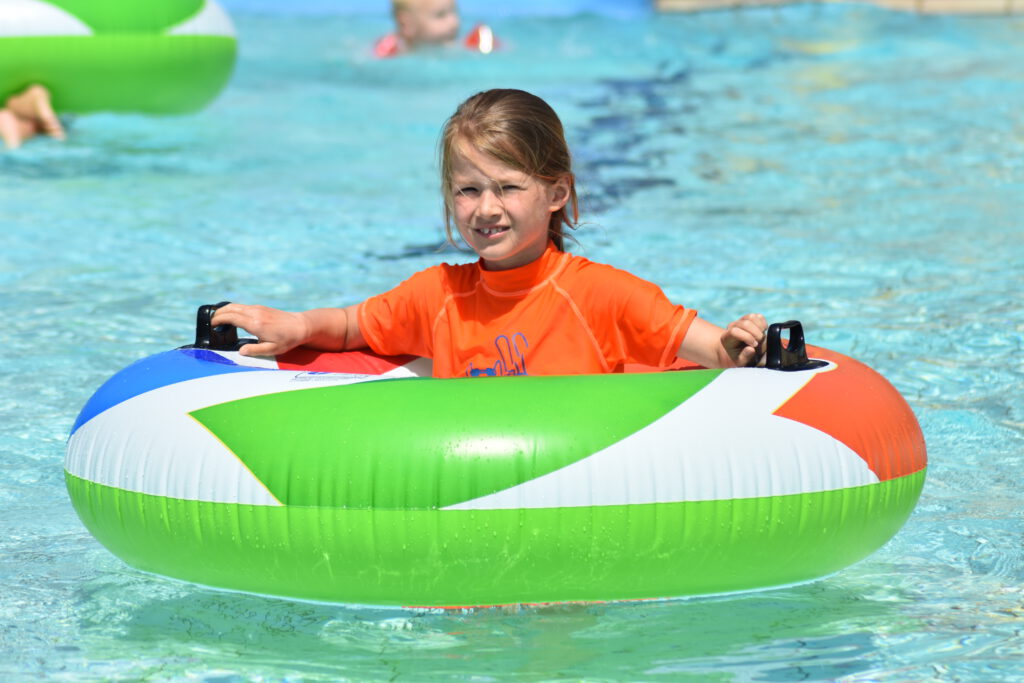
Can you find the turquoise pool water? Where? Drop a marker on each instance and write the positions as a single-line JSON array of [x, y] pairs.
[[860, 170]]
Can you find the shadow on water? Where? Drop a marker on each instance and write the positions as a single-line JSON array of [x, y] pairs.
[[811, 632], [638, 123], [103, 160], [619, 150], [47, 167], [415, 251]]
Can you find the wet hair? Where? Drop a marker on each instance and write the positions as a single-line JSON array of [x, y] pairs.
[[519, 130]]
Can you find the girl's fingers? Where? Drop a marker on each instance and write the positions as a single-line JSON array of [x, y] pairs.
[[232, 314], [260, 349], [747, 338], [748, 332], [254, 319]]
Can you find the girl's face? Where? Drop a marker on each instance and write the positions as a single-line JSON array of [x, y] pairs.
[[501, 213]]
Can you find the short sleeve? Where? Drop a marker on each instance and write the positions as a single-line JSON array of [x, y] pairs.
[[400, 321], [633, 319]]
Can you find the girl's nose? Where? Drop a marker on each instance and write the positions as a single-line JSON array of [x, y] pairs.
[[490, 204]]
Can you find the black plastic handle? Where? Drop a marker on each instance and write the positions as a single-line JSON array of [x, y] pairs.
[[793, 356], [220, 337]]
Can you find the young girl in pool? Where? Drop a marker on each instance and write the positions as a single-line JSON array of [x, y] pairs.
[[526, 306]]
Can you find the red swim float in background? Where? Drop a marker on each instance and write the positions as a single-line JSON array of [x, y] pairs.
[[481, 39]]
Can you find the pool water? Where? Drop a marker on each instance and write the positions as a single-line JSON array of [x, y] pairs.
[[860, 170]]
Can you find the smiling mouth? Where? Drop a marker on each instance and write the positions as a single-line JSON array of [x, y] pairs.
[[490, 232]]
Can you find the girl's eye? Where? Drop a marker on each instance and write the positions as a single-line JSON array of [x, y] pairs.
[[510, 188], [468, 191]]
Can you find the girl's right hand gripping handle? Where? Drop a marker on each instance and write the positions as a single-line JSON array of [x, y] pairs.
[[220, 337]]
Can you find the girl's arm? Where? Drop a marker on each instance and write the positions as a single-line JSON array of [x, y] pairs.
[[741, 344], [328, 329]]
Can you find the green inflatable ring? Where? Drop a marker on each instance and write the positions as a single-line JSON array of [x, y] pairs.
[[158, 57], [341, 478]]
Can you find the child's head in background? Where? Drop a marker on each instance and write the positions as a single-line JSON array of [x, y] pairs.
[[425, 22]]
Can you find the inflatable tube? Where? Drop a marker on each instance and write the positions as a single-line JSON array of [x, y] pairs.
[[344, 477], [157, 56]]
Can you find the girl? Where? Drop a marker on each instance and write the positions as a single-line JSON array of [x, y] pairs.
[[526, 306]]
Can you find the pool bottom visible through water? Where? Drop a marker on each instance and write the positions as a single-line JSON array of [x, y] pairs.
[[856, 169]]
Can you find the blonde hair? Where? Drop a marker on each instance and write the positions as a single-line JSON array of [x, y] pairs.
[[519, 130]]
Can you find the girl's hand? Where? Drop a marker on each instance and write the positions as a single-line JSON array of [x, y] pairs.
[[744, 340], [276, 331]]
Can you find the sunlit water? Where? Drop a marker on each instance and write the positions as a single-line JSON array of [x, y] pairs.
[[862, 171]]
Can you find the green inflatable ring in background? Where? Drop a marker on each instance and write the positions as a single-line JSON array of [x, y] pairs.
[[157, 56]]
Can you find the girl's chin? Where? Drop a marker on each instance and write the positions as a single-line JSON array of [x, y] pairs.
[[495, 256], [498, 242]]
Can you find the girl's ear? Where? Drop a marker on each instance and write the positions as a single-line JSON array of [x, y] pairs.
[[559, 192]]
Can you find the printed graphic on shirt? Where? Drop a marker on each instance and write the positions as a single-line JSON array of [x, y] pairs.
[[511, 358]]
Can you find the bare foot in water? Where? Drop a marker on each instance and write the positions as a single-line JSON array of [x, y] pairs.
[[35, 115], [10, 129]]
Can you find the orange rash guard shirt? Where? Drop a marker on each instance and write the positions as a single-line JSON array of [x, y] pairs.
[[559, 315]]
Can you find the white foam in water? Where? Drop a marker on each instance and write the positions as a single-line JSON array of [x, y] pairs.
[[856, 169]]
